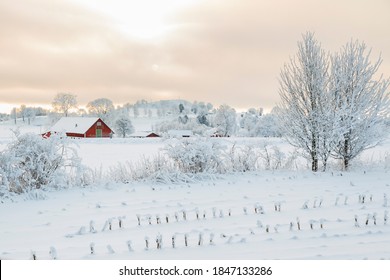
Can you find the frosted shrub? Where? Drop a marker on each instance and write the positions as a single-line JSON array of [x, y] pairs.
[[243, 158], [158, 168], [32, 162], [273, 158], [196, 155]]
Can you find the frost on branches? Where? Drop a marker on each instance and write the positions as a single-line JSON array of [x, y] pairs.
[[303, 84], [123, 125], [32, 162], [196, 156], [331, 105], [225, 121], [362, 103]]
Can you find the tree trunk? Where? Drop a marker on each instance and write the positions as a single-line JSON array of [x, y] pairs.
[[314, 165], [346, 163], [346, 152], [324, 162], [314, 154]]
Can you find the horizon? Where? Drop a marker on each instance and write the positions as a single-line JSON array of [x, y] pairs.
[[222, 52], [7, 108]]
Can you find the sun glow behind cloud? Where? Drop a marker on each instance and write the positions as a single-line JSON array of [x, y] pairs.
[[140, 20], [228, 51]]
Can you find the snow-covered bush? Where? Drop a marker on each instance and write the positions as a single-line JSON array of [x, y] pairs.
[[243, 158], [158, 168], [31, 162], [197, 155]]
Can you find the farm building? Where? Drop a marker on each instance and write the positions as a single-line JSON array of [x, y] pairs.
[[83, 127], [144, 134]]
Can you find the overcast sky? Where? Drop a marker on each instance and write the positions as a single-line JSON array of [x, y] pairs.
[[219, 51]]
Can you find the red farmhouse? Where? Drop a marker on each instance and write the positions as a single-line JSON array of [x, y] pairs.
[[81, 127]]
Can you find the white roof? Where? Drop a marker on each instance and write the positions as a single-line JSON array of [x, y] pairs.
[[74, 124]]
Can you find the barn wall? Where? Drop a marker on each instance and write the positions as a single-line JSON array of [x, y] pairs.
[[91, 132], [72, 134]]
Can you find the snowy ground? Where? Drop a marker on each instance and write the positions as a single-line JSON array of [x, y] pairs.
[[63, 219], [264, 208]]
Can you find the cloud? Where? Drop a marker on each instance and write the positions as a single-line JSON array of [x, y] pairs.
[[222, 51]]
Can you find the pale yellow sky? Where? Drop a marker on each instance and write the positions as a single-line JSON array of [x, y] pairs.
[[219, 51]]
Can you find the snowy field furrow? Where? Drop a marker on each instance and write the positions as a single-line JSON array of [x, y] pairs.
[[265, 209]]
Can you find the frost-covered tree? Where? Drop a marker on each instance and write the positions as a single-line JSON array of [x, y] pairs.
[[101, 107], [362, 102], [123, 125], [32, 162], [14, 114], [27, 113], [267, 126], [30, 114], [181, 108], [183, 118], [22, 111], [249, 120], [225, 121], [202, 111], [136, 111], [63, 102], [303, 91]]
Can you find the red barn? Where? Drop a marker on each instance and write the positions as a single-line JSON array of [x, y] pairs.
[[144, 134], [82, 127]]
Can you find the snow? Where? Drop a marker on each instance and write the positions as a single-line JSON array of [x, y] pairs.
[[62, 220], [180, 133], [57, 223], [74, 124]]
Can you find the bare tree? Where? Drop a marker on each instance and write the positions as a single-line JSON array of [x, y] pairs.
[[30, 114], [100, 107], [123, 125], [14, 114], [63, 102], [303, 91], [362, 102], [22, 111]]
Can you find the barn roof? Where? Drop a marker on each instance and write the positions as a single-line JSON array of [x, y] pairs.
[[74, 124], [142, 134]]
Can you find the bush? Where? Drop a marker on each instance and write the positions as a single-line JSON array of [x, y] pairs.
[[197, 155], [244, 158], [32, 162]]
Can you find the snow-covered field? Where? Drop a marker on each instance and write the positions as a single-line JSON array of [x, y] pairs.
[[262, 215]]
